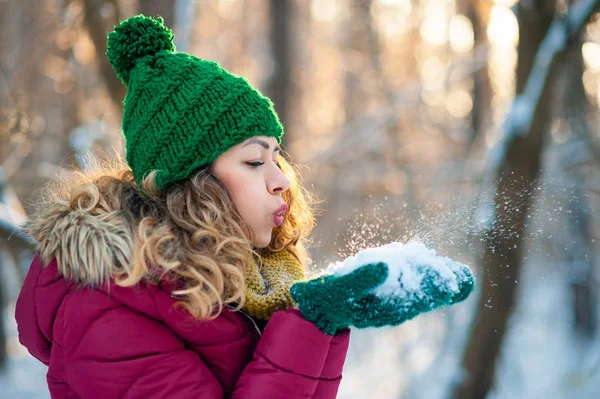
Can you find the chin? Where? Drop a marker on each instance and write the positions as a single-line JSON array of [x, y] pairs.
[[262, 242]]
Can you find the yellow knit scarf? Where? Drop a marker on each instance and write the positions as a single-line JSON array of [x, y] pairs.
[[268, 284]]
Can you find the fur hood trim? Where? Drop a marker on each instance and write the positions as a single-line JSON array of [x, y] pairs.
[[90, 245]]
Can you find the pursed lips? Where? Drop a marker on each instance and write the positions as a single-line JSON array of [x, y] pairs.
[[281, 210]]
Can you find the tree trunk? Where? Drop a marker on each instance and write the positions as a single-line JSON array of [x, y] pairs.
[[98, 29], [2, 332], [47, 95], [280, 87], [481, 81], [43, 90], [580, 253], [502, 260], [580, 258]]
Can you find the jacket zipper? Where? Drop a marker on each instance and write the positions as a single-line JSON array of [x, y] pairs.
[[249, 318]]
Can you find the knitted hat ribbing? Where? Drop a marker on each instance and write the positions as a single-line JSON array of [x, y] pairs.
[[181, 112]]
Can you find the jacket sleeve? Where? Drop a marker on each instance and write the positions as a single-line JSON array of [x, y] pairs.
[[331, 376], [293, 359]]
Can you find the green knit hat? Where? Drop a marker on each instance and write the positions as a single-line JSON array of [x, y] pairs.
[[181, 112]]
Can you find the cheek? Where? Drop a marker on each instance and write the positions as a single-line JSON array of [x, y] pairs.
[[249, 200], [246, 195]]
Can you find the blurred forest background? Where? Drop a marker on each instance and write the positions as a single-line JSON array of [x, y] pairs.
[[470, 125]]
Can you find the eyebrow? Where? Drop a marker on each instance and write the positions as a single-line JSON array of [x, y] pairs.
[[262, 143]]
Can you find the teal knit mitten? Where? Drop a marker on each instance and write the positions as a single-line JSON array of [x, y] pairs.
[[433, 292], [363, 298]]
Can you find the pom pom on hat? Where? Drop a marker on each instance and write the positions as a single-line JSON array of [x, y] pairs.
[[135, 38]]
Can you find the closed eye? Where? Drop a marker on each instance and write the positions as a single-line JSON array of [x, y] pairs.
[[255, 164]]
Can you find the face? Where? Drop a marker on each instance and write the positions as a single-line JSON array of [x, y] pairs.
[[249, 171]]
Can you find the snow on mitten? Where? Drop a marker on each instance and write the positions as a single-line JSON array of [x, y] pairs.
[[327, 301], [418, 281]]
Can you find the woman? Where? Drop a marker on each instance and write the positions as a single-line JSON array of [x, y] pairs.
[[178, 274]]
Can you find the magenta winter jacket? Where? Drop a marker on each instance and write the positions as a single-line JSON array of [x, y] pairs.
[[133, 343]]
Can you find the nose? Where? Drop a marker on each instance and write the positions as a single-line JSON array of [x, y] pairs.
[[278, 182]]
